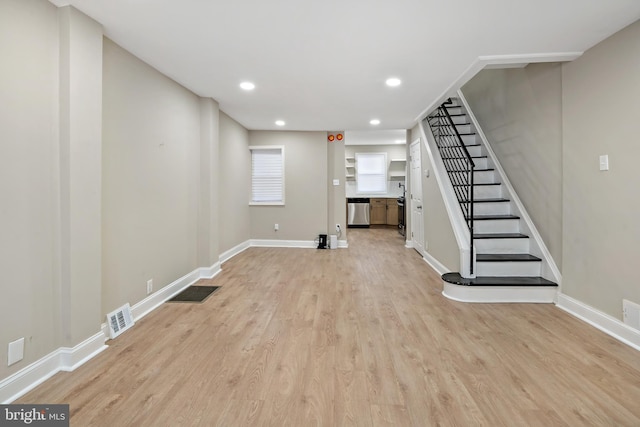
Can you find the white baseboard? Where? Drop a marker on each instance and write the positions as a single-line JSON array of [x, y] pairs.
[[607, 324], [227, 255], [435, 264], [72, 358], [153, 301], [62, 359], [266, 243], [156, 299], [343, 244], [408, 244]]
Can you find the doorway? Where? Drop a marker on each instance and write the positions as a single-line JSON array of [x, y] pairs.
[[415, 176]]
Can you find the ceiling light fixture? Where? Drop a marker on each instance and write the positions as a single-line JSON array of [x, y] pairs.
[[375, 122], [393, 82], [247, 86], [280, 122]]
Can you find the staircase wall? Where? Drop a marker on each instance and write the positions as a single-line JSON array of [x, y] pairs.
[[601, 236], [440, 242], [520, 111]]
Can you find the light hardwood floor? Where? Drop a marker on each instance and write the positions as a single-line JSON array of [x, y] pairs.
[[359, 336]]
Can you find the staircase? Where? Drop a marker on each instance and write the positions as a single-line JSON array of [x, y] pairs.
[[504, 269]]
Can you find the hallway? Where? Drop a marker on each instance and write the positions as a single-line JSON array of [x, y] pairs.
[[358, 336]]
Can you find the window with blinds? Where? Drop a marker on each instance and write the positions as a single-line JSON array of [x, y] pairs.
[[267, 175], [371, 174]]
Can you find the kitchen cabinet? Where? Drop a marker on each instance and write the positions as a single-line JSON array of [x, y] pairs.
[[378, 212], [384, 212], [392, 212]]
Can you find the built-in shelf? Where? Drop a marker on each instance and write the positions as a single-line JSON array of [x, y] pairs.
[[398, 160]]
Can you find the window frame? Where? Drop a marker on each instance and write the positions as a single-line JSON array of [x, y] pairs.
[[384, 172], [257, 148]]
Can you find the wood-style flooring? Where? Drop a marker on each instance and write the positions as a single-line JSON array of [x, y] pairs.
[[350, 337]]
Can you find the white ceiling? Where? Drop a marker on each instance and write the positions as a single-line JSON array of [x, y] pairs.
[[375, 137], [321, 65]]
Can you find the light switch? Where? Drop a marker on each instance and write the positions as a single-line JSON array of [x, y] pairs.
[[604, 162], [336, 182]]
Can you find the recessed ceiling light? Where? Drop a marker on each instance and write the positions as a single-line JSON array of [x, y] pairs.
[[375, 122], [393, 81], [247, 86], [280, 122]]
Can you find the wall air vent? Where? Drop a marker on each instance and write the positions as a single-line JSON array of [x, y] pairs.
[[119, 320]]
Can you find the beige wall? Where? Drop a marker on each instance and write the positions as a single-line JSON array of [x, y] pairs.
[[601, 101], [234, 183], [520, 112], [28, 170], [438, 233], [304, 214], [151, 179]]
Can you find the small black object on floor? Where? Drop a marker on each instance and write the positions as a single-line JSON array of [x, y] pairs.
[[194, 294]]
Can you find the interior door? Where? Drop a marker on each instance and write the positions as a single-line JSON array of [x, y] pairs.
[[417, 220]]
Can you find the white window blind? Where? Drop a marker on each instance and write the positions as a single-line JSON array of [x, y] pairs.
[[371, 172], [267, 175]]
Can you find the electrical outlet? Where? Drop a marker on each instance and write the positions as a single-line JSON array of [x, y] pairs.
[[149, 286], [337, 228], [276, 227]]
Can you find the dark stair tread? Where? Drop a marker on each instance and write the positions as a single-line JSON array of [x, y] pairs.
[[500, 236], [506, 257], [457, 279], [482, 183], [457, 124], [475, 170], [488, 217], [466, 133], [440, 116], [473, 157], [487, 201]]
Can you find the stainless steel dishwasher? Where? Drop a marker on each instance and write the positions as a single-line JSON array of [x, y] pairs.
[[358, 212]]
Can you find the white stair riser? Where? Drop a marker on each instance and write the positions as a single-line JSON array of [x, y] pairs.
[[475, 151], [455, 110], [508, 268], [484, 177], [480, 177], [463, 128], [459, 119], [492, 208], [468, 139], [497, 294], [487, 191], [481, 163], [496, 226], [501, 246]]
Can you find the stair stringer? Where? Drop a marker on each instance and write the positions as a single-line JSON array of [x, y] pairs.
[[454, 211], [549, 269]]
